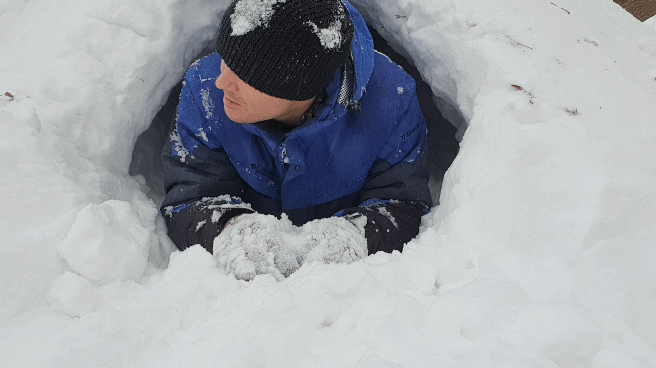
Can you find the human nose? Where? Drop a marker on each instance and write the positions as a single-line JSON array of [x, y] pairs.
[[224, 80]]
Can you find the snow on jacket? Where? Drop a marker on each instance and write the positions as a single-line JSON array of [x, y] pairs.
[[361, 155]]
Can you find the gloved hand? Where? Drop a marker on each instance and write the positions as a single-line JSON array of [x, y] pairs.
[[333, 240], [254, 244]]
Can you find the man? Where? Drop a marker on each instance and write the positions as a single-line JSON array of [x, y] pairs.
[[295, 142]]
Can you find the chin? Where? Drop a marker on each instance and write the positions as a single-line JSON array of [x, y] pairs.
[[238, 118]]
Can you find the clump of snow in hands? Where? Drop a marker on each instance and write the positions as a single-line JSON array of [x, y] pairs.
[[250, 14], [257, 244], [540, 254]]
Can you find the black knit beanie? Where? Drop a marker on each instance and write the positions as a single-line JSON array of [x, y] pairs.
[[290, 49]]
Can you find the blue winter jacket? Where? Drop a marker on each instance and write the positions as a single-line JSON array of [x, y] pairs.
[[362, 154]]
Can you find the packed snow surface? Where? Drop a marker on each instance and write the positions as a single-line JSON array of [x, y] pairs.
[[542, 252]]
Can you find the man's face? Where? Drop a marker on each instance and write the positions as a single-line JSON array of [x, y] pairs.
[[244, 104]]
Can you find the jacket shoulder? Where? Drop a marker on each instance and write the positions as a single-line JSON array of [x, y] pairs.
[[388, 75], [204, 69], [390, 94], [200, 109]]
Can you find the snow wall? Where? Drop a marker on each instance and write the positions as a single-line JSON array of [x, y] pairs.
[[541, 253]]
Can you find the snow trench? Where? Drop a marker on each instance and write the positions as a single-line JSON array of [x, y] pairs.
[[541, 252]]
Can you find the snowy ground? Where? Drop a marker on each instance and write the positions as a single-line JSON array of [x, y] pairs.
[[541, 254], [651, 22]]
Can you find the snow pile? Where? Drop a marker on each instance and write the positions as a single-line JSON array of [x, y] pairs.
[[541, 253], [110, 241], [86, 79]]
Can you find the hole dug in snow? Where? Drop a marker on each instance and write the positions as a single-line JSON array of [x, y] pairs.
[[442, 142]]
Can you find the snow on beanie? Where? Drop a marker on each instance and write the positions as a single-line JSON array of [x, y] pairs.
[[290, 49]]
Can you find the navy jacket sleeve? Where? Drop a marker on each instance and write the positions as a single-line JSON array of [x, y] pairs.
[[395, 195], [194, 172]]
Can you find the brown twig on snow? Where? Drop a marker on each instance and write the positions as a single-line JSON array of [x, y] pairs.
[[572, 112], [527, 93], [561, 8], [521, 44], [9, 95], [515, 43]]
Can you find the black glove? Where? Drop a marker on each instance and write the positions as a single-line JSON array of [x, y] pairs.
[[388, 226], [201, 221]]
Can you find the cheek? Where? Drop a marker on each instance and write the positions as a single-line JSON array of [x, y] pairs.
[[254, 106], [265, 107]]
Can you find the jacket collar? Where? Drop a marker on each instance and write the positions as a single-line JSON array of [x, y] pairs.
[[348, 86]]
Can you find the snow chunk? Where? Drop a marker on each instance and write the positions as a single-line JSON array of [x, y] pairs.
[[168, 211], [330, 37], [400, 90], [250, 14], [109, 241], [72, 294]]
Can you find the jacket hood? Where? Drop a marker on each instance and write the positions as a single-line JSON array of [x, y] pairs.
[[347, 87], [363, 52]]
